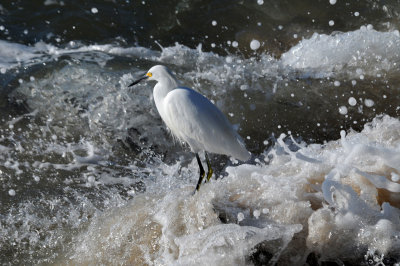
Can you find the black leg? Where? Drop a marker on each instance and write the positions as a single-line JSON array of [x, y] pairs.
[[210, 170], [201, 172]]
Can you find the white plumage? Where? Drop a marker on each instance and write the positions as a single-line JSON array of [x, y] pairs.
[[192, 118]]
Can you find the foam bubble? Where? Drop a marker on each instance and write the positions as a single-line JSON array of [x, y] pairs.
[[91, 179], [256, 213], [395, 177], [240, 216], [254, 44], [343, 110], [352, 101], [244, 87], [369, 102]]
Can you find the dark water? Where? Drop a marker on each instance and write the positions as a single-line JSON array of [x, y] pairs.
[[188, 22], [78, 147]]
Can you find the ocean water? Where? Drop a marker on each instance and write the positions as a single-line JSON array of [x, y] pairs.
[[89, 174]]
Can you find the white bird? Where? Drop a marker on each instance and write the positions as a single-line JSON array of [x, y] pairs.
[[192, 118]]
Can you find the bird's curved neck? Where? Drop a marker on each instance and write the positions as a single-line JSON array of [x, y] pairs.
[[163, 86]]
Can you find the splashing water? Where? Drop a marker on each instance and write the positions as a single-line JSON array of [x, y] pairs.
[[89, 174]]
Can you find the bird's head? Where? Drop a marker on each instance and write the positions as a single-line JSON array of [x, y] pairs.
[[156, 73]]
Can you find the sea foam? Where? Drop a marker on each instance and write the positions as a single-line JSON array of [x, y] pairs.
[[342, 198]]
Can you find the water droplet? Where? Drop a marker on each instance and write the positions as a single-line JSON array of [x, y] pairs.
[[352, 101], [11, 192], [343, 110], [254, 44]]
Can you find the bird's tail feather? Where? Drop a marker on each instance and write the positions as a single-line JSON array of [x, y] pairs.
[[240, 151]]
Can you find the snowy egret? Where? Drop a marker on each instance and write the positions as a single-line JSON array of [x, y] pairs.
[[192, 118]]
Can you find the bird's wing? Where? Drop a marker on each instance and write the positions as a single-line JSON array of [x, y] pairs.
[[194, 119]]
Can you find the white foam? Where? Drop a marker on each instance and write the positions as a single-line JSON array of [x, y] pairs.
[[356, 53], [366, 49], [12, 54], [333, 199]]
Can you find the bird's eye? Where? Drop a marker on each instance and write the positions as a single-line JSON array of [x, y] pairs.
[[149, 74]]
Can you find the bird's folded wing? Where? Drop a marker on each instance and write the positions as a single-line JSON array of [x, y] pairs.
[[194, 119]]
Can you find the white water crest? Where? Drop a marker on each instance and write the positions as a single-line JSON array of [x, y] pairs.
[[335, 195], [360, 52]]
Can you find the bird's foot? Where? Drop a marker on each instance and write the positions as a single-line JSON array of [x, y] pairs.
[[210, 170], [210, 173]]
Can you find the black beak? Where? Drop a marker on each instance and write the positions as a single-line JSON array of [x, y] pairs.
[[137, 81]]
